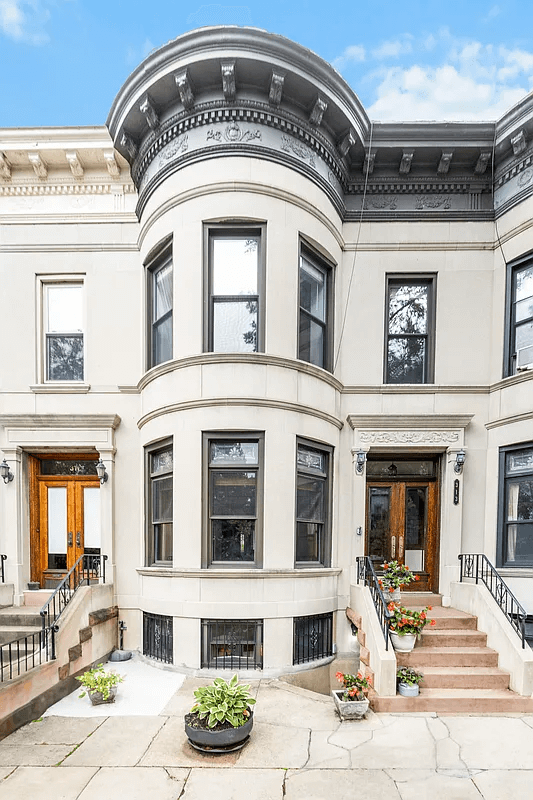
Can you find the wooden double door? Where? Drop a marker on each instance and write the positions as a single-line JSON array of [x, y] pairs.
[[402, 524], [65, 516]]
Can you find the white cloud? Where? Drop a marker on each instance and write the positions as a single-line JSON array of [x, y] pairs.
[[393, 49], [354, 53], [495, 11], [23, 21]]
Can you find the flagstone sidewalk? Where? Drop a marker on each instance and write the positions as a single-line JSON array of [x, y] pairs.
[[299, 750]]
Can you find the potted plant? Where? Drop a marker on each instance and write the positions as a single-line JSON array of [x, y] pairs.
[[351, 701], [394, 577], [101, 686], [221, 719], [405, 626], [409, 681]]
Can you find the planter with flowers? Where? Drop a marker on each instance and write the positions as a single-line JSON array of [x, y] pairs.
[[394, 577], [101, 686], [409, 681], [351, 702], [405, 626], [221, 720]]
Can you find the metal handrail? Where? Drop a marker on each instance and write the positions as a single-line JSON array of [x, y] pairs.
[[22, 654], [86, 569], [478, 566], [2, 575], [366, 574]]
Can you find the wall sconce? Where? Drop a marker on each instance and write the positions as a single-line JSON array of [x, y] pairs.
[[360, 462], [459, 461], [5, 472], [101, 471]]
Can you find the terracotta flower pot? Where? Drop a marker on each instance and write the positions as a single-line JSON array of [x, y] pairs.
[[404, 642]]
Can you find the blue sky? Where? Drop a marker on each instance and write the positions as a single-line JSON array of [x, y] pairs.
[[63, 61]]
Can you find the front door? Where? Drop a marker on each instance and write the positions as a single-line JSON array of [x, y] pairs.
[[402, 517], [65, 516]]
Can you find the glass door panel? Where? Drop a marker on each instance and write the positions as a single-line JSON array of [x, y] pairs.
[[57, 527], [415, 527], [91, 520], [379, 507]]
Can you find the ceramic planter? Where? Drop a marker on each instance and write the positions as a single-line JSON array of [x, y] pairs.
[[404, 642], [97, 698], [408, 690], [349, 709], [212, 741], [393, 596]]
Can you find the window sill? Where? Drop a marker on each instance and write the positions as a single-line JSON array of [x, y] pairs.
[[245, 572], [61, 387], [516, 572]]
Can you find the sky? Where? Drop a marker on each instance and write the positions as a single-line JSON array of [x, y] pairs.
[[63, 61]]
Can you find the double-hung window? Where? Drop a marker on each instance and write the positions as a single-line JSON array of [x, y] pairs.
[[234, 322], [159, 502], [314, 339], [410, 329], [63, 331], [313, 536], [160, 288], [516, 506], [519, 337], [233, 484]]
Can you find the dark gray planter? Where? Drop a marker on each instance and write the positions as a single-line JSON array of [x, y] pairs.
[[97, 698], [219, 741]]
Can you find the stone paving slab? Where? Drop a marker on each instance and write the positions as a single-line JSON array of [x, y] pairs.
[[340, 784], [406, 742], [276, 746], [45, 783], [489, 742], [505, 784], [119, 742], [54, 730], [135, 783], [170, 748], [323, 754], [237, 784], [298, 711], [416, 784], [34, 755]]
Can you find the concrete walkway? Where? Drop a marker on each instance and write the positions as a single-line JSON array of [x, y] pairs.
[[299, 750]]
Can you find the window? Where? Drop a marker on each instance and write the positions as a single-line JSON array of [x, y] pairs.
[[519, 338], [410, 329], [313, 539], [234, 500], [232, 643], [159, 505], [160, 288], [516, 506], [314, 341], [313, 638], [158, 637], [63, 329], [234, 285]]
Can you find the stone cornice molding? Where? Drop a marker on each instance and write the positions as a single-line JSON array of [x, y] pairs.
[[511, 420], [54, 421], [27, 188], [396, 389], [238, 574], [409, 421]]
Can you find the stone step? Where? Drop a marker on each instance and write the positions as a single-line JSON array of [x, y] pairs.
[[464, 678], [451, 638], [412, 599], [8, 634], [37, 597], [450, 619], [455, 701], [448, 656], [20, 615]]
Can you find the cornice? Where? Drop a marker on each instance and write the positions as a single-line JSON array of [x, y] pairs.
[[409, 421], [400, 389], [512, 380], [498, 423], [90, 421], [29, 188], [238, 574]]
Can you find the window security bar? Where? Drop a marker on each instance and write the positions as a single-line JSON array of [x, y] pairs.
[[232, 644], [313, 638], [477, 566], [366, 575], [158, 639]]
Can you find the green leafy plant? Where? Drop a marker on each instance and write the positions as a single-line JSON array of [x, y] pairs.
[[223, 702], [98, 680], [396, 575], [355, 686], [404, 620], [410, 676]]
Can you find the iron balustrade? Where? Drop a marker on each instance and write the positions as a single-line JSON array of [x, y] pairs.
[[22, 654], [478, 567], [313, 638], [366, 574], [158, 637], [2, 574]]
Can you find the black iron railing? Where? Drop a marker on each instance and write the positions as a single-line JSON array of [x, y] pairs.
[[87, 569], [366, 574], [2, 574], [313, 638], [478, 567], [158, 637], [232, 644], [25, 653]]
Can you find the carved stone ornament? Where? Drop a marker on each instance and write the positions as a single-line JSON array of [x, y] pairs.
[[482, 163], [444, 163], [227, 69], [368, 164], [111, 164], [129, 145], [5, 167], [519, 143], [345, 143], [184, 88], [525, 177], [405, 163], [409, 437], [276, 88], [432, 201], [146, 107], [179, 145], [381, 202], [233, 133], [290, 145], [39, 167], [317, 112], [74, 164]]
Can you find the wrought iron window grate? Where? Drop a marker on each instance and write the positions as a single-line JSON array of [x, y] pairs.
[[313, 638], [232, 644], [158, 637]]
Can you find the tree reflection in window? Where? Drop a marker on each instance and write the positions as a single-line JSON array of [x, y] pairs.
[[407, 331]]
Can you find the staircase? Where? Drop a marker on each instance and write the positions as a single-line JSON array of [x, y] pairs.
[[461, 674], [21, 623]]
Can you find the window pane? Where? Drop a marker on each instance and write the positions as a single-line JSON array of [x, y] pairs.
[[308, 535], [162, 341], [162, 461], [520, 500], [64, 309], [408, 308], [524, 309], [162, 291], [233, 493], [524, 283], [311, 341], [406, 360], [162, 500], [312, 289], [235, 327], [522, 460], [415, 518], [235, 265], [310, 498], [234, 453], [57, 527], [91, 519], [233, 539], [403, 468], [311, 459], [520, 543], [379, 502], [524, 335], [64, 358], [163, 542]]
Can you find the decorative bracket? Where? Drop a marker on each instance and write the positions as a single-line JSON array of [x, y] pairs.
[[129, 144], [317, 112], [5, 167], [184, 87], [519, 143], [276, 88], [227, 69], [111, 164], [444, 163], [39, 167], [482, 163], [368, 164], [405, 163], [74, 164], [345, 143], [146, 107]]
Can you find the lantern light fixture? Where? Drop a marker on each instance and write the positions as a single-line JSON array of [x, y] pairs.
[[5, 472], [101, 471]]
